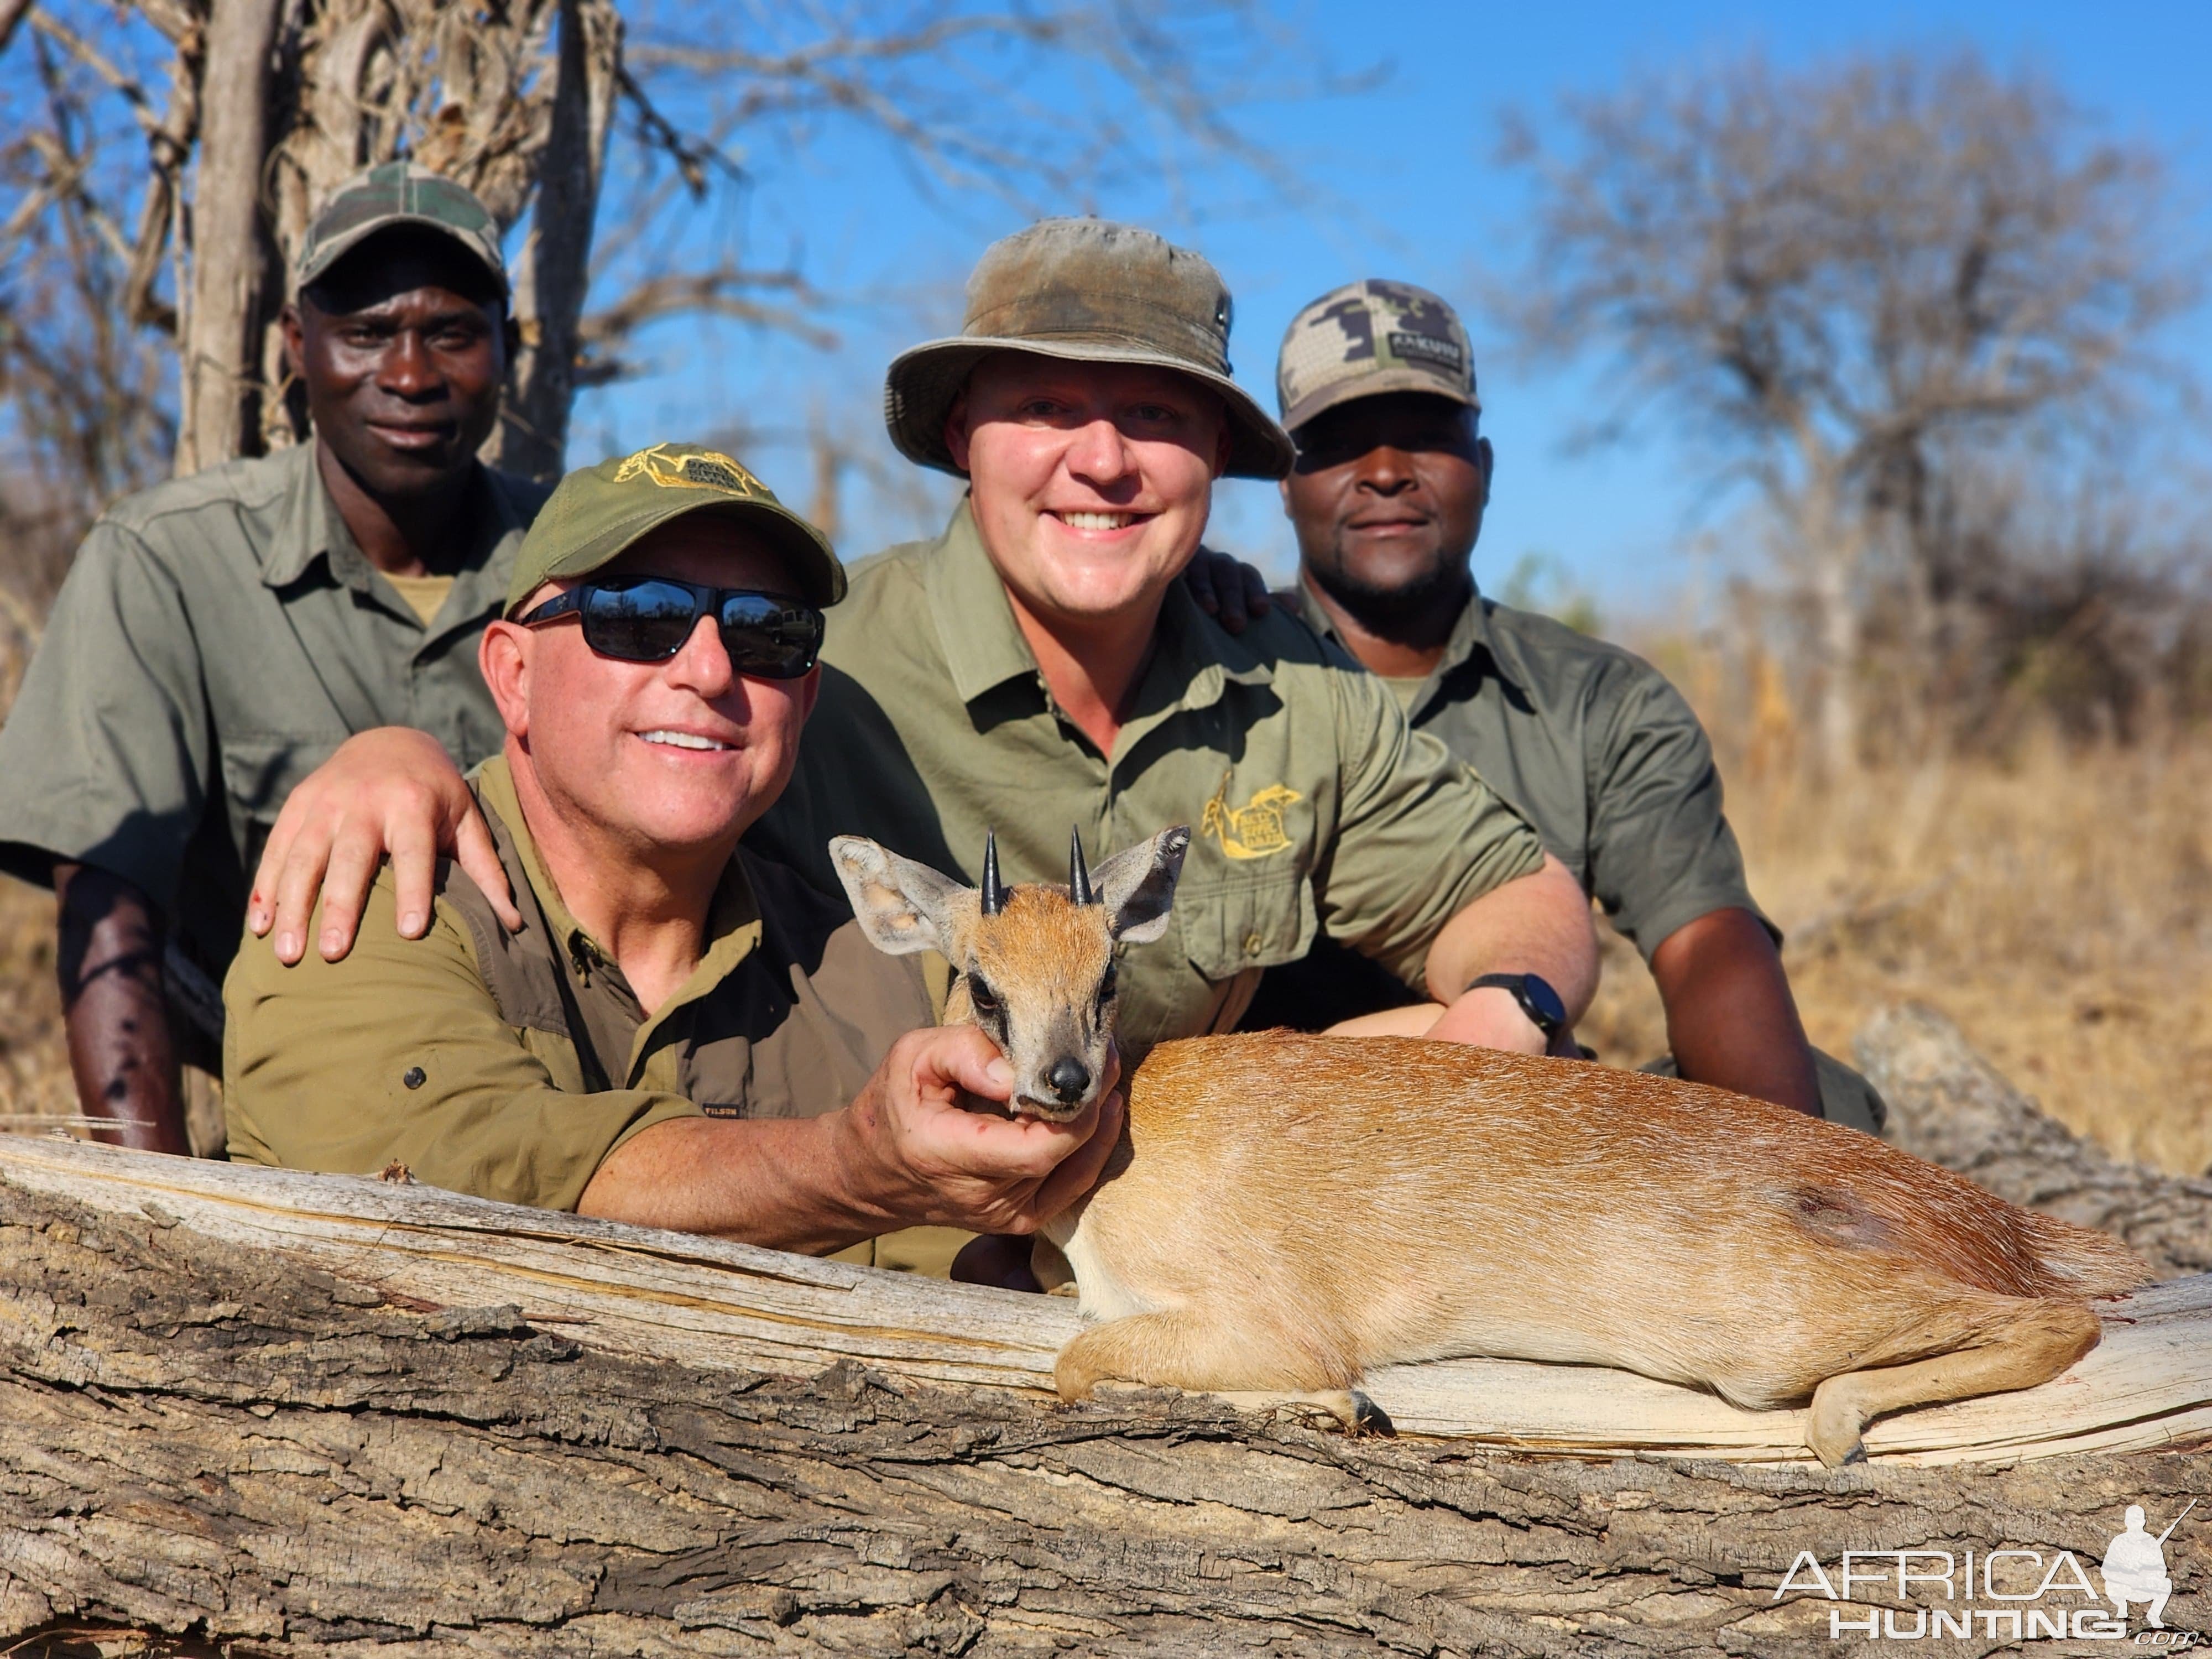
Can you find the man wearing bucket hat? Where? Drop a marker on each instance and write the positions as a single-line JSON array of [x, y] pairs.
[[1375, 381], [1040, 663], [219, 635], [679, 1034]]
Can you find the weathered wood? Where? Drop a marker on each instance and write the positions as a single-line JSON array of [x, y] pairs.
[[238, 1444], [258, 1412], [715, 1305]]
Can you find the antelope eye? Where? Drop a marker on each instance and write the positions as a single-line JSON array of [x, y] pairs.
[[979, 993], [1106, 985]]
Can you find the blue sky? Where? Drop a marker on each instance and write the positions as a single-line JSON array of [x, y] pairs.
[[1404, 185]]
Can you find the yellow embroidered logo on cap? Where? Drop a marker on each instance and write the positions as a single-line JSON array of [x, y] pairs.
[[1253, 830], [706, 470]]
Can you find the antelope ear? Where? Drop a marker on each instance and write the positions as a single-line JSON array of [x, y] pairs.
[[1137, 885], [901, 906]]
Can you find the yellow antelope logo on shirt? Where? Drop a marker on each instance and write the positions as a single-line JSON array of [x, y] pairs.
[[1253, 830]]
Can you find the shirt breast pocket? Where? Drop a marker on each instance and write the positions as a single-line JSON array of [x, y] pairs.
[[260, 768], [1246, 922]]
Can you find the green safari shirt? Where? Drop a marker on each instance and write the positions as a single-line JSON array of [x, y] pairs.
[[1590, 744], [510, 1065], [217, 638], [1315, 809]]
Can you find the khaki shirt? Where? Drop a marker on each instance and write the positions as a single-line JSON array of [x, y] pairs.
[[1315, 809], [218, 636], [511, 1065], [1595, 748]]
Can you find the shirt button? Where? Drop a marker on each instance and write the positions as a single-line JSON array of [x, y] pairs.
[[1252, 943], [414, 1078]]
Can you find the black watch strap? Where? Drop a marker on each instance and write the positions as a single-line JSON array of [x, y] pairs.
[[1545, 1008]]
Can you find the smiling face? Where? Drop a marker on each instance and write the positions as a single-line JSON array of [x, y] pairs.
[[1090, 482], [656, 757], [402, 348], [1387, 497]]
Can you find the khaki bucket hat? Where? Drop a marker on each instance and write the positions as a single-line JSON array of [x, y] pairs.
[[597, 514], [1092, 291]]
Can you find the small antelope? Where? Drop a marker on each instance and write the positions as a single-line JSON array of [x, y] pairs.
[[1287, 1212]]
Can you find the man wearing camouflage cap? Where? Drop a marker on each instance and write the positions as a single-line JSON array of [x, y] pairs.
[[220, 635], [679, 1034], [1376, 383]]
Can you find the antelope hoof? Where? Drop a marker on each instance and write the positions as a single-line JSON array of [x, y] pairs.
[[1834, 1427], [1074, 1383], [1347, 1409]]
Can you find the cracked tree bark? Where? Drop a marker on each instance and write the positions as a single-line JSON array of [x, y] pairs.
[[231, 1447]]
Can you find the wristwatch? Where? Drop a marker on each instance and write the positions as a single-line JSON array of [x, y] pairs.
[[1543, 1004]]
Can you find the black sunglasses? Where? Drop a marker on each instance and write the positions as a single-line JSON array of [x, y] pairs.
[[648, 618]]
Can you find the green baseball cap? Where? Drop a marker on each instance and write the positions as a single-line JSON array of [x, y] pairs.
[[399, 193], [596, 514], [1368, 338], [1092, 291]]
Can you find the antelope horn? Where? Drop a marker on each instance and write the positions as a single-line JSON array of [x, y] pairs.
[[1078, 873], [995, 895]]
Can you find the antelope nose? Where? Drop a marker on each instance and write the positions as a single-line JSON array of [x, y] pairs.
[[1069, 1078]]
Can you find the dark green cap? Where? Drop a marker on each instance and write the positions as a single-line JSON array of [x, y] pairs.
[[596, 514], [399, 193], [1093, 291]]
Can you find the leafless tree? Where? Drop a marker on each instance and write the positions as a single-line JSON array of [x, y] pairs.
[[1846, 280], [170, 153]]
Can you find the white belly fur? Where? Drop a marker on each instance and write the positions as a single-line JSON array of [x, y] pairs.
[[1099, 1295]]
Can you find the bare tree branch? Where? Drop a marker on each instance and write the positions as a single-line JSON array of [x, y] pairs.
[[1849, 274], [12, 12]]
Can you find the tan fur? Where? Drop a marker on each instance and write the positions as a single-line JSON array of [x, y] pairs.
[[1032, 956], [1287, 1214]]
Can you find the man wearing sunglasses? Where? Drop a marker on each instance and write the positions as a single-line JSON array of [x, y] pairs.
[[679, 1034], [220, 635]]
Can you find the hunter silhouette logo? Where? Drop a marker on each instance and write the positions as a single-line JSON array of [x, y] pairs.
[[1253, 830], [2135, 1567], [705, 470]]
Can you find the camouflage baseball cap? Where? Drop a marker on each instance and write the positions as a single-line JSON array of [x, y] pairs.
[[596, 514], [1372, 336], [1092, 291], [399, 193]]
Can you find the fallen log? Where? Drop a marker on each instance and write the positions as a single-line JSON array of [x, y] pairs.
[[273, 1413], [717, 1305]]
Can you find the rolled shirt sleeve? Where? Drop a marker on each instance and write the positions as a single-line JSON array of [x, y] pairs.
[[318, 1060], [1660, 852], [108, 748], [1419, 835]]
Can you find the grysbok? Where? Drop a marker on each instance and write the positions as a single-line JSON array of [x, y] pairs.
[[1288, 1213]]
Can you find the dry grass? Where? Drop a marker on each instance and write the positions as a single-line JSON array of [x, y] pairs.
[[2057, 905], [34, 1080]]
